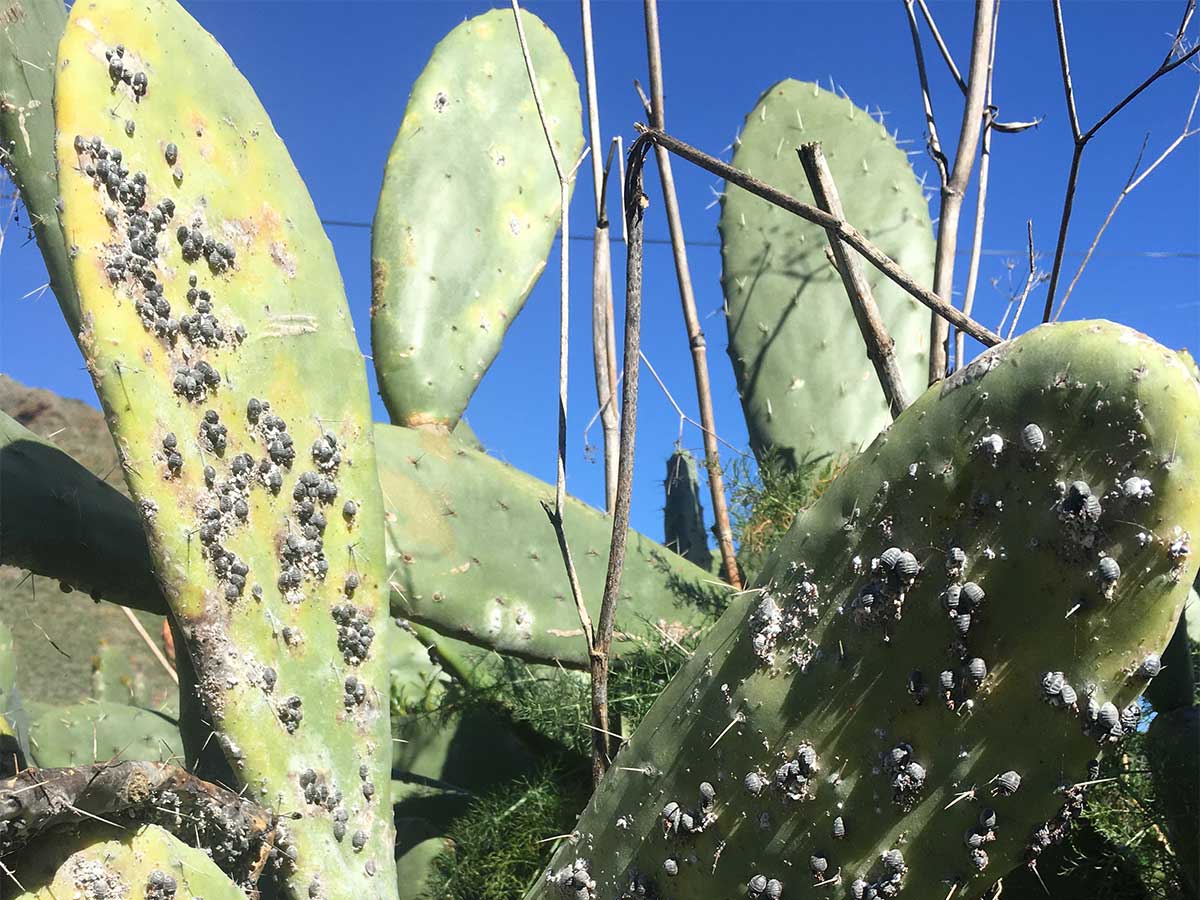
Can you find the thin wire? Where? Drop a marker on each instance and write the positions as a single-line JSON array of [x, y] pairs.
[[692, 242]]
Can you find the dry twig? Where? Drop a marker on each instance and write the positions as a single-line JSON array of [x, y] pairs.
[[603, 335], [954, 178], [1176, 56], [560, 486], [845, 231], [712, 455], [635, 205], [880, 346], [197, 812], [985, 167], [1135, 178]]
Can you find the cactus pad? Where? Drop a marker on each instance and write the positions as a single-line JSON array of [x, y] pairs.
[[91, 732], [472, 555], [212, 316], [468, 211], [807, 386], [100, 862], [28, 46], [840, 729]]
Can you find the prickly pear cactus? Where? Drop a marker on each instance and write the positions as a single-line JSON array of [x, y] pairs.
[[28, 46], [468, 211], [97, 731], [447, 505], [14, 729], [100, 861], [807, 386], [683, 515], [114, 677], [213, 315], [907, 701], [1172, 744], [82, 532]]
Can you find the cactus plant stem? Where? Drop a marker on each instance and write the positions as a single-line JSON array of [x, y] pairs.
[[564, 322], [875, 334], [1177, 55], [604, 359], [699, 348], [845, 231]]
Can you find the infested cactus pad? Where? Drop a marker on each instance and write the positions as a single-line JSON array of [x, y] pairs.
[[807, 386], [467, 213], [941, 755], [100, 862], [213, 314]]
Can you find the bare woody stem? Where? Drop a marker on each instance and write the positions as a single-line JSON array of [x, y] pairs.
[[1082, 137], [603, 353], [880, 346], [954, 185], [37, 800], [845, 231], [1135, 178], [635, 205], [560, 486], [696, 341], [985, 167]]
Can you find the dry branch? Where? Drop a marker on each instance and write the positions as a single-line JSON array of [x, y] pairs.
[[845, 231], [1082, 137], [635, 205], [1135, 178], [696, 341], [603, 351], [985, 168], [564, 312], [954, 183], [201, 814], [880, 346]]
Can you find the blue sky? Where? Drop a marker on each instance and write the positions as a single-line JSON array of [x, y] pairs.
[[335, 76]]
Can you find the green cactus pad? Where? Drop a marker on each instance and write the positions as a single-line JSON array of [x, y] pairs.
[[14, 726], [59, 520], [807, 386], [802, 706], [1173, 748], [213, 314], [31, 30], [473, 556], [114, 677], [99, 861], [99, 732], [468, 212]]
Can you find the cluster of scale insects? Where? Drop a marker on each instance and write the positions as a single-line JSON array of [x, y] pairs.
[[132, 263]]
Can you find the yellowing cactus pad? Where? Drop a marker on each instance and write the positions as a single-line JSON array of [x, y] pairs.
[[215, 327]]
